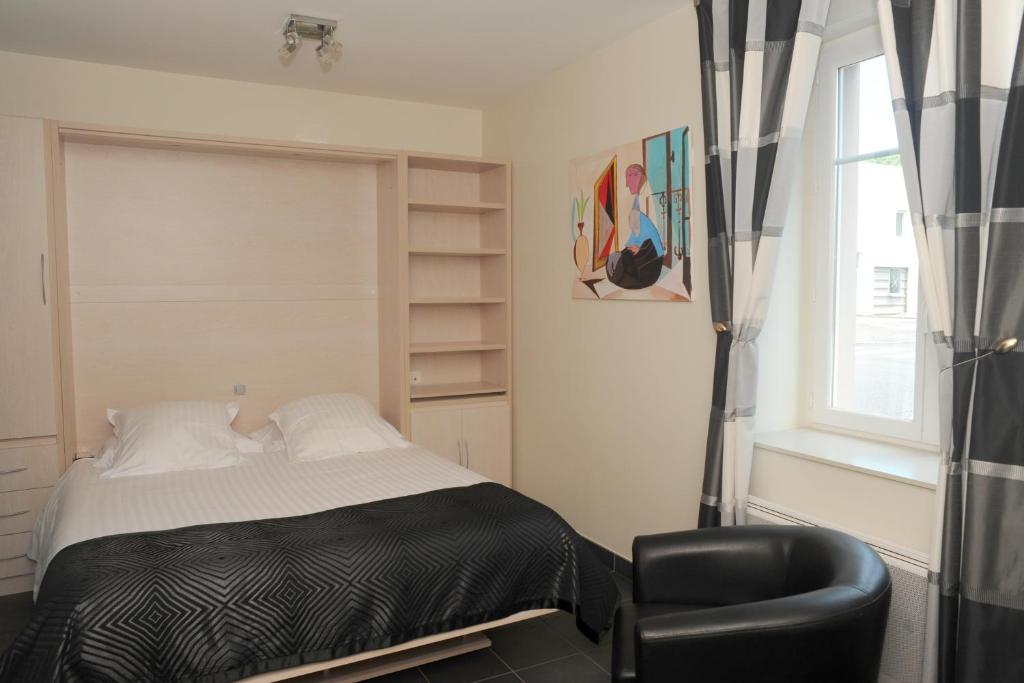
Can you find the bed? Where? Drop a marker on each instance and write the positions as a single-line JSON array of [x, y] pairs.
[[186, 271], [274, 565]]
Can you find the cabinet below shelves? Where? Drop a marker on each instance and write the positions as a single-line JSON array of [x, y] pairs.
[[475, 436]]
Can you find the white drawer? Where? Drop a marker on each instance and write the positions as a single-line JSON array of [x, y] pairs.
[[27, 467], [14, 555], [19, 509]]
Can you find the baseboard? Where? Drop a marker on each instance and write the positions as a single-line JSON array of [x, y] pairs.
[[614, 562]]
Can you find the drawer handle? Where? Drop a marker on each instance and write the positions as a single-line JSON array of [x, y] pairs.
[[13, 557], [19, 513], [13, 471]]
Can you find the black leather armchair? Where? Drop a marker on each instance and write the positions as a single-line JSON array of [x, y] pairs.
[[752, 603]]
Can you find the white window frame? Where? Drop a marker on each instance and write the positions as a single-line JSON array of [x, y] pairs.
[[923, 429]]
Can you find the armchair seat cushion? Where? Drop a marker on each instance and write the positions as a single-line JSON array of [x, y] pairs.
[[623, 652]]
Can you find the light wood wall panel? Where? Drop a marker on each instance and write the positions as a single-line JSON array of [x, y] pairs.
[[140, 216], [134, 353], [191, 272]]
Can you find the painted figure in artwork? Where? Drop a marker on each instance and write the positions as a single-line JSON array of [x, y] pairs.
[[638, 265]]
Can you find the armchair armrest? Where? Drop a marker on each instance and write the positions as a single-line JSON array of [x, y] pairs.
[[722, 566], [802, 633]]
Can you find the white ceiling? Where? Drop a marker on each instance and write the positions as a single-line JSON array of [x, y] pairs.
[[465, 52]]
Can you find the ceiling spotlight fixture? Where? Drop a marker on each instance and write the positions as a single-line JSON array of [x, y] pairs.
[[298, 27]]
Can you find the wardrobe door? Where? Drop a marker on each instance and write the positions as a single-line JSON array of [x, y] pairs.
[[439, 431], [486, 434], [27, 406]]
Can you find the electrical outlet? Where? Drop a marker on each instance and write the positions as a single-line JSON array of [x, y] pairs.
[[415, 377], [239, 390]]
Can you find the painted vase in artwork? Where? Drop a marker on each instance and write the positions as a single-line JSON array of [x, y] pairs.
[[581, 248], [581, 251]]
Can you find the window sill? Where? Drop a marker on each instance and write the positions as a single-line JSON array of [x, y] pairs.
[[904, 464]]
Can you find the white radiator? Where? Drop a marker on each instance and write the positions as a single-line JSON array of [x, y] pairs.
[[904, 638]]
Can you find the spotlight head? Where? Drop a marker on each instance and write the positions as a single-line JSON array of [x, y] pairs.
[[291, 43], [329, 49], [323, 53], [332, 45]]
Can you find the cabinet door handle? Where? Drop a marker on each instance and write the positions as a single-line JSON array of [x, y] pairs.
[[42, 275], [19, 513], [458, 443], [13, 557], [466, 441], [13, 470]]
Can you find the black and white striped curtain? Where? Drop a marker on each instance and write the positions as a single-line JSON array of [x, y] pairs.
[[758, 59], [956, 69]]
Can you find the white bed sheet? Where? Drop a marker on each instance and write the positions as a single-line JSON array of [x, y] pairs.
[[85, 506]]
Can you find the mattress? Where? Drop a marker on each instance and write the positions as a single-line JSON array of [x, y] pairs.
[[85, 506]]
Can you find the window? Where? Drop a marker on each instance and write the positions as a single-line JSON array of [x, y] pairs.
[[872, 373]]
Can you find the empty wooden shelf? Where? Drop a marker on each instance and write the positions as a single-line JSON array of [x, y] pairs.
[[454, 206], [457, 300], [456, 251], [455, 347], [424, 391]]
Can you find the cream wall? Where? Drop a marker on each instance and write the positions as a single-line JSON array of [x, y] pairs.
[[611, 398], [96, 93]]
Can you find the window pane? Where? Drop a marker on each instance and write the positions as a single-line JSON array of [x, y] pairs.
[[866, 123], [875, 327]]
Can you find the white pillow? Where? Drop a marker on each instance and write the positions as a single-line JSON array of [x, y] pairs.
[[330, 425], [171, 436]]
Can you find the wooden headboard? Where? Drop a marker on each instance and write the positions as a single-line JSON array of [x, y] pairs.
[[190, 271]]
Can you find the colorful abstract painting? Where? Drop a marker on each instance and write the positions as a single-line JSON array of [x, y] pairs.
[[630, 221]]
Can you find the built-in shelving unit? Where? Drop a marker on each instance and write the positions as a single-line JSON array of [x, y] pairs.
[[446, 309], [458, 278]]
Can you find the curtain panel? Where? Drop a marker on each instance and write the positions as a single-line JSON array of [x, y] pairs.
[[956, 69], [758, 59]]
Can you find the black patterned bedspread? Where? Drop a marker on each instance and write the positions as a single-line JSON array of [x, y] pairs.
[[220, 602]]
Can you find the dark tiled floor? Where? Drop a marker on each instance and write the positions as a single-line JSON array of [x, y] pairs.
[[549, 649]]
